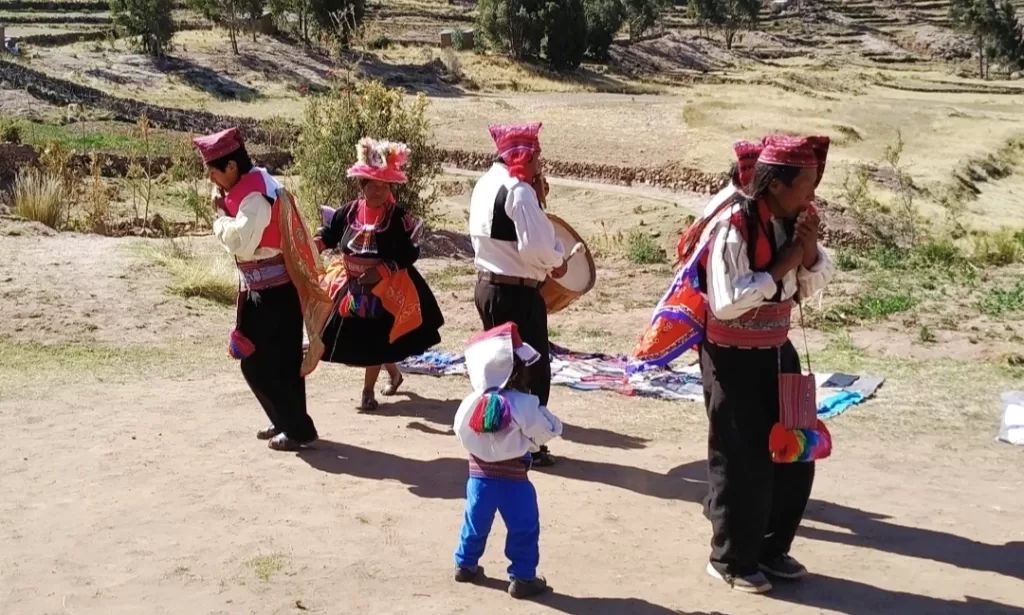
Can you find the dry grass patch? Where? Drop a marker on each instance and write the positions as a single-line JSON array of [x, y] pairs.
[[195, 274], [41, 197]]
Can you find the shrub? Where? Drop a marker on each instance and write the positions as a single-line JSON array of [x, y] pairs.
[[517, 26], [604, 20], [10, 131], [642, 249], [148, 23], [999, 248], [332, 125], [41, 197], [566, 34], [381, 41]]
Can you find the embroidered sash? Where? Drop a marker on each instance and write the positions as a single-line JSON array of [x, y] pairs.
[[764, 327]]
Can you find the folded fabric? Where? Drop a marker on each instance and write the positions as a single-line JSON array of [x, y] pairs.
[[836, 404], [839, 381]]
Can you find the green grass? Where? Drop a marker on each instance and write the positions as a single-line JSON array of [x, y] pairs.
[[266, 566], [1000, 301], [109, 137], [642, 249], [874, 305], [21, 356]]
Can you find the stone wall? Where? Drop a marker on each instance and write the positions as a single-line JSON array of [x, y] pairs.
[[62, 92]]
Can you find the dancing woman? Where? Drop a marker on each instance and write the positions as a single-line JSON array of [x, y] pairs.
[[384, 311]]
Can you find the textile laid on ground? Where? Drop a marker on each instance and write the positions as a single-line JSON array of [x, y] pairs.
[[1011, 429], [597, 371]]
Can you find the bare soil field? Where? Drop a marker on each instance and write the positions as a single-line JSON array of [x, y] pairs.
[[151, 494]]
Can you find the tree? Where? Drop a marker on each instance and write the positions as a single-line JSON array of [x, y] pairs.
[[517, 26], [1007, 38], [223, 12], [976, 18], [641, 15], [253, 9], [604, 20], [147, 22], [995, 30], [338, 18], [729, 16], [300, 8], [335, 122], [707, 14], [566, 36]]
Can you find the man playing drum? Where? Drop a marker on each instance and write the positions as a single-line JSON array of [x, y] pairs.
[[516, 248]]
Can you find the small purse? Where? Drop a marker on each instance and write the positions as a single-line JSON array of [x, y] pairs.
[[799, 436]]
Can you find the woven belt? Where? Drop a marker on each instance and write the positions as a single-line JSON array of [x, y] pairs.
[[497, 278], [263, 274], [766, 326]]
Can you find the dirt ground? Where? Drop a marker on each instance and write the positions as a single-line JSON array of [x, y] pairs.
[[133, 482]]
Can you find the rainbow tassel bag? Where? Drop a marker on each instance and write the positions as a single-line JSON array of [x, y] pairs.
[[799, 436]]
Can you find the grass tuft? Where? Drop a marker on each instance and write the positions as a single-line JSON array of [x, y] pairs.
[[195, 275], [266, 566], [40, 197], [642, 249]]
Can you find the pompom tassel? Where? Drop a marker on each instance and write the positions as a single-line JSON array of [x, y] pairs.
[[799, 445], [491, 414], [239, 346]]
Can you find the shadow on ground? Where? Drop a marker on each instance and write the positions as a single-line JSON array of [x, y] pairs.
[[442, 412]]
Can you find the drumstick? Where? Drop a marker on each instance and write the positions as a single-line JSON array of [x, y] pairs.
[[576, 249]]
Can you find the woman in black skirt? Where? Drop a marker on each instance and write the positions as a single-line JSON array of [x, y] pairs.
[[377, 240]]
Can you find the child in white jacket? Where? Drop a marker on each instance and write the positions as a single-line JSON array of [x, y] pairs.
[[498, 424]]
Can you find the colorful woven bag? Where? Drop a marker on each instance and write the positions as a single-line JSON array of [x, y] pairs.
[[799, 436]]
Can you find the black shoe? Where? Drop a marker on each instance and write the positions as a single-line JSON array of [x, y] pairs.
[[542, 458], [468, 575], [267, 433], [520, 589], [783, 567]]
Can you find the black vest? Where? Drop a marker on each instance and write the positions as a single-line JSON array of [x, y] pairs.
[[502, 226]]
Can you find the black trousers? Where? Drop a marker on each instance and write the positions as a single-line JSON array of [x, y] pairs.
[[755, 505], [501, 303], [272, 320]]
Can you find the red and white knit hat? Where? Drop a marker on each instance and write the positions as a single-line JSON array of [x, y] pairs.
[[219, 144], [802, 152], [381, 161], [489, 356], [513, 138]]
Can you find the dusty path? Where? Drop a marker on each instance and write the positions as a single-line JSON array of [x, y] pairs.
[[152, 496], [133, 483]]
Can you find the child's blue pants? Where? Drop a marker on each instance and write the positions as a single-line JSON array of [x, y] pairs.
[[516, 500]]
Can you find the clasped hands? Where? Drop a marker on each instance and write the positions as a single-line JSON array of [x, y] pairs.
[[804, 248]]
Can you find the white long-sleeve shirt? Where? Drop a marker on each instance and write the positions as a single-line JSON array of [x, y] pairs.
[[734, 288], [536, 250], [240, 235], [532, 425]]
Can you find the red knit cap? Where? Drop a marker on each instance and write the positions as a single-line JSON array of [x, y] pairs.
[[516, 137], [218, 145], [800, 152]]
